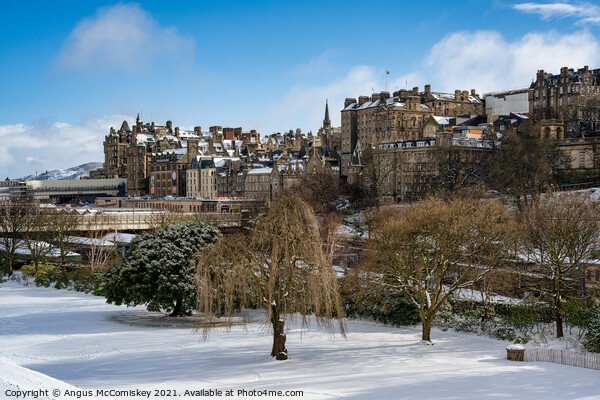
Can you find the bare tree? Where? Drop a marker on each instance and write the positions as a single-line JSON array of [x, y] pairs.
[[371, 179], [320, 189], [523, 169], [581, 116], [13, 222], [328, 228], [458, 168], [432, 249], [62, 225], [561, 233], [100, 250], [284, 264], [37, 234]]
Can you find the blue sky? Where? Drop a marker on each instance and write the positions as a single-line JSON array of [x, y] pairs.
[[72, 69]]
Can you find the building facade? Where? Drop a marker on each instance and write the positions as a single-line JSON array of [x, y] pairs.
[[506, 102], [381, 118], [572, 94], [416, 168]]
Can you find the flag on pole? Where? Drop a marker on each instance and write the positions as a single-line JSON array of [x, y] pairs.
[[387, 72]]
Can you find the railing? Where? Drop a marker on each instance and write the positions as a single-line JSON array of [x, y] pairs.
[[144, 221], [566, 357], [134, 221]]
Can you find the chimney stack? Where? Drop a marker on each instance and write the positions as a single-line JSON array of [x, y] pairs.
[[348, 101]]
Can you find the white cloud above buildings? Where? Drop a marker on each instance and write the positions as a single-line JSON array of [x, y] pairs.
[[482, 60], [486, 60], [585, 13], [305, 104], [40, 147], [121, 37]]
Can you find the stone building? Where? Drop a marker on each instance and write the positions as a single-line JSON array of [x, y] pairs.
[[201, 178], [413, 166], [592, 280], [168, 169], [447, 104], [377, 119], [261, 182], [128, 151], [569, 96], [230, 178]]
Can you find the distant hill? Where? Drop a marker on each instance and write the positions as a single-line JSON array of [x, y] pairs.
[[65, 174]]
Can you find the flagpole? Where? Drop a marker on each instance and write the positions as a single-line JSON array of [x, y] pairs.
[[386, 75]]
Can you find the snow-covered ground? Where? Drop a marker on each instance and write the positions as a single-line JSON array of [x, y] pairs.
[[62, 340]]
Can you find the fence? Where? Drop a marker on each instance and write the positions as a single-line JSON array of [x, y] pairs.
[[566, 357]]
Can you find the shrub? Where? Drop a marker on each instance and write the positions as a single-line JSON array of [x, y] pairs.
[[46, 274], [386, 305], [524, 317], [84, 280], [577, 314], [592, 337], [503, 331]]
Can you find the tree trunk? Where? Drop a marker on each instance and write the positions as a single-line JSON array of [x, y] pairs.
[[63, 263], [558, 314], [178, 306], [426, 335], [10, 267], [278, 351]]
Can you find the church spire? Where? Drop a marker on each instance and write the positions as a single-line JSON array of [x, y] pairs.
[[326, 121]]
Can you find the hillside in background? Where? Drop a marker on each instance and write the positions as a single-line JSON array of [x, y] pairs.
[[65, 174]]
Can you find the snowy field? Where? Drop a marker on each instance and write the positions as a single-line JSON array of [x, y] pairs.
[[68, 341]]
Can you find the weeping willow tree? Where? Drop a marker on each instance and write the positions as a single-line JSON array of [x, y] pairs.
[[283, 263]]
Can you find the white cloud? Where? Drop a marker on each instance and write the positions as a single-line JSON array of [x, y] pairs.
[[486, 61], [585, 13], [481, 60], [318, 65], [30, 148], [306, 104], [121, 37]]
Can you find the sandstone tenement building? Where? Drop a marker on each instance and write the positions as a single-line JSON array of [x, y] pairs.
[[570, 95], [378, 118], [165, 161]]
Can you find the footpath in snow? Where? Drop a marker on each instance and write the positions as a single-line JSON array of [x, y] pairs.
[[68, 345]]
